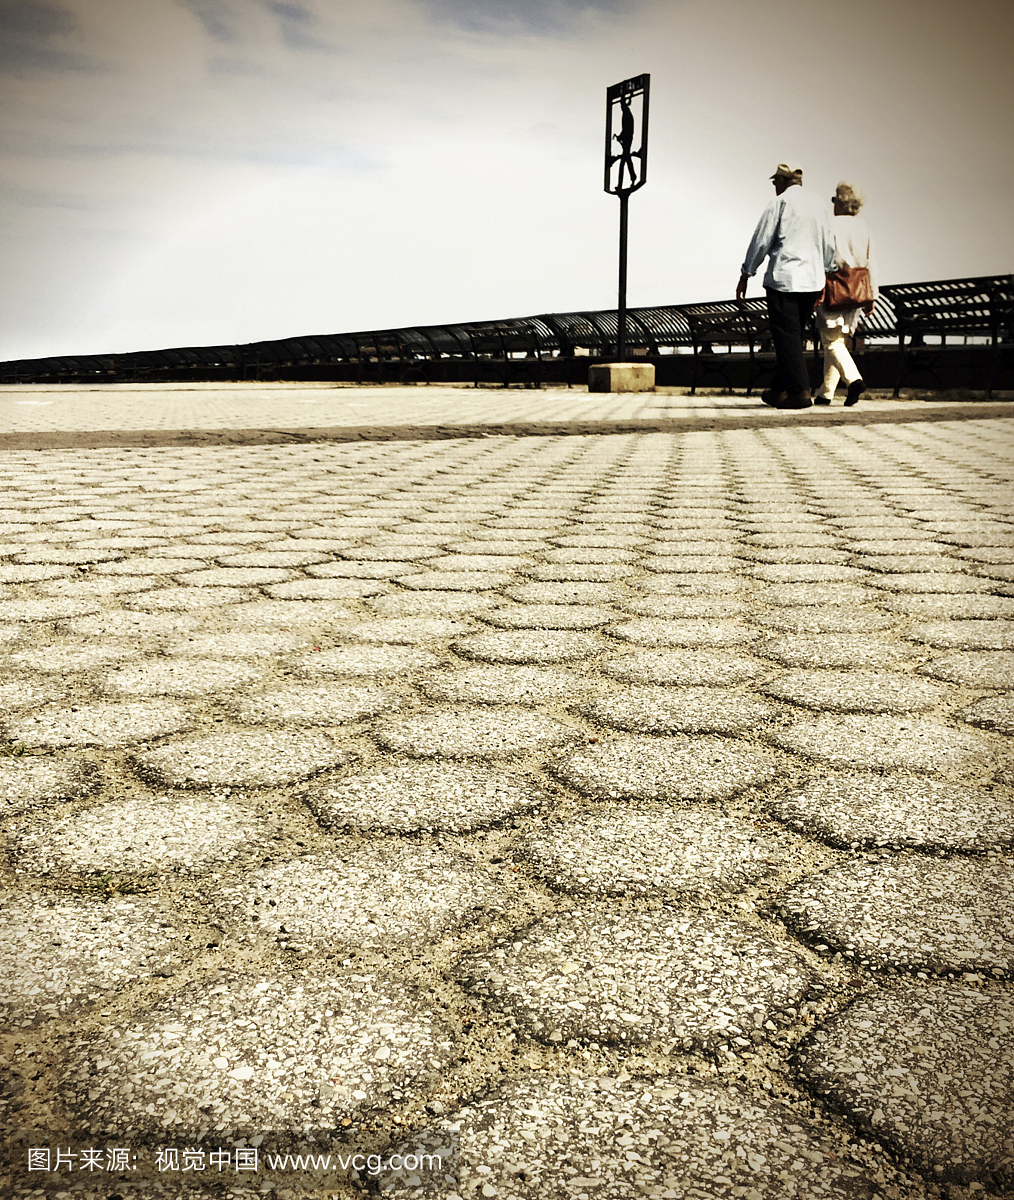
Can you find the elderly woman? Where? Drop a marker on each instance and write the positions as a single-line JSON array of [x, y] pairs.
[[852, 249]]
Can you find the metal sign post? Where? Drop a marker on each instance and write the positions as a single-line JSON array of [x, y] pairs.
[[626, 170]]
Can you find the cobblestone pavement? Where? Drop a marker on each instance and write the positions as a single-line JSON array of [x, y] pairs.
[[617, 816], [42, 408]]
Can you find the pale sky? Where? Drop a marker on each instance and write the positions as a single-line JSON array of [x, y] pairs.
[[214, 171]]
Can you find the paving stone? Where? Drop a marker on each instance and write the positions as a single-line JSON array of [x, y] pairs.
[[326, 589], [886, 743], [57, 609], [934, 584], [235, 1050], [565, 593], [372, 896], [678, 710], [844, 595], [272, 558], [475, 733], [508, 685], [180, 677], [408, 631], [809, 573], [288, 614], [378, 569], [913, 913], [995, 713], [479, 562], [622, 851], [858, 809], [19, 573], [896, 546], [187, 598], [801, 554], [150, 564], [930, 1072], [431, 604], [677, 769], [529, 646], [905, 564], [241, 644], [687, 607], [691, 583], [68, 950], [140, 835], [941, 607], [657, 631], [105, 724], [456, 581], [855, 691], [685, 668], [579, 572], [704, 564], [132, 624], [830, 650], [671, 978], [975, 668], [69, 656], [367, 660], [241, 758], [233, 576], [36, 782], [1002, 555], [387, 552], [965, 635], [824, 620], [27, 693], [326, 704], [578, 1133], [548, 616], [89, 586], [605, 540], [424, 796]]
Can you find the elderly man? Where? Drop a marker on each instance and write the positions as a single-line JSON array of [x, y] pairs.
[[794, 235]]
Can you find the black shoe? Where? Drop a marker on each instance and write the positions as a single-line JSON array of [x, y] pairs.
[[772, 398], [796, 400], [856, 389], [825, 400]]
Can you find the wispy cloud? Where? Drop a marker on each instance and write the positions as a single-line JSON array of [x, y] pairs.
[[217, 18], [33, 35], [552, 17], [299, 27]]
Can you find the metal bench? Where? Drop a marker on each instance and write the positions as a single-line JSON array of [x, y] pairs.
[[943, 309], [729, 324]]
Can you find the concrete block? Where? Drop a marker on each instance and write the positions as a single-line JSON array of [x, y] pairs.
[[621, 377]]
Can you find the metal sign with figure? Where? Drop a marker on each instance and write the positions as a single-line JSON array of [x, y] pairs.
[[626, 169], [627, 123]]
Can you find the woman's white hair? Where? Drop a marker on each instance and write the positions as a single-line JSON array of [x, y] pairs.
[[850, 196]]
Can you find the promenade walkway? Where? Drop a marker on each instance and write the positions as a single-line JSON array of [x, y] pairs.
[[614, 814]]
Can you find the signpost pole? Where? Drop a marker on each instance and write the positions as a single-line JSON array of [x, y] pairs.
[[626, 169]]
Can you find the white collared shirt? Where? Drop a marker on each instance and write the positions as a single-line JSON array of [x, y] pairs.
[[794, 235]]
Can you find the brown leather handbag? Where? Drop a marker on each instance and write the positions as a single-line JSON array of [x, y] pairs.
[[848, 287]]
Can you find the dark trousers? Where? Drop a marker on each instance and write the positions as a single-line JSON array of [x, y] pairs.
[[789, 314]]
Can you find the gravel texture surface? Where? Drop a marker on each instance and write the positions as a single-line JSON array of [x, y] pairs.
[[928, 1071], [240, 759], [64, 950], [626, 852], [663, 978], [854, 809], [923, 915], [588, 775], [673, 768], [617, 1137], [167, 833], [429, 796]]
